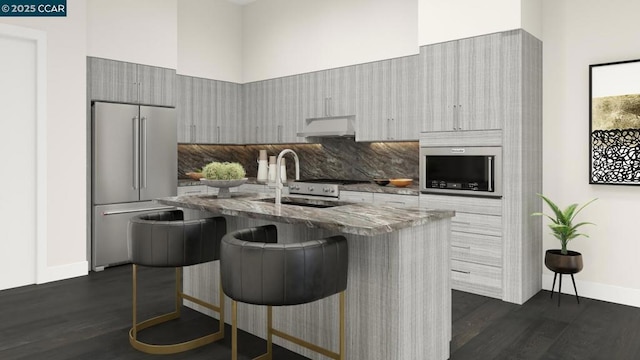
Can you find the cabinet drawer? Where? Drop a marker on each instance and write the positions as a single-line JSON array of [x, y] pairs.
[[192, 190], [477, 224], [475, 278], [466, 204], [482, 249], [356, 196], [396, 200]]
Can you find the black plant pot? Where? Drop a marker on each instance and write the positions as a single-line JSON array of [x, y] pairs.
[[555, 261], [559, 263]]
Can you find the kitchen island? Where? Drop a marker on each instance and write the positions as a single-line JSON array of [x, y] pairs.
[[398, 293]]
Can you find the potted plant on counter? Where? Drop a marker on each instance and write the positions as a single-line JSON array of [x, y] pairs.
[[223, 175], [564, 261]]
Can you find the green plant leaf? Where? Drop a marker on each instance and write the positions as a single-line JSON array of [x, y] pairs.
[[561, 225]]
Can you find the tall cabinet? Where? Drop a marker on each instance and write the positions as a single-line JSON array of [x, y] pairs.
[[465, 83], [493, 98]]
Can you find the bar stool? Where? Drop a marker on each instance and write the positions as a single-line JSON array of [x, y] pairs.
[[257, 270], [164, 239]]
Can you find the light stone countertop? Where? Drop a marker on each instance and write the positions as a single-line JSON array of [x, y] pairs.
[[351, 218]]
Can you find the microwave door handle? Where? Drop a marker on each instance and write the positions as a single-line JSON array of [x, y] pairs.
[[490, 187]]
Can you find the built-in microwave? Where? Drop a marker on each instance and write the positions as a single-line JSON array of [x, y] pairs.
[[461, 170]]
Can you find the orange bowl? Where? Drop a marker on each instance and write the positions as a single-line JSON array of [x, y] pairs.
[[195, 175], [401, 182]]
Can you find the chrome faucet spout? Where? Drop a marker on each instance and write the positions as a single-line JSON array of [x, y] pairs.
[[279, 184]]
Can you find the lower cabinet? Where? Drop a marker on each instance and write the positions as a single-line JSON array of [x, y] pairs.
[[476, 278], [396, 199], [476, 242], [356, 196]]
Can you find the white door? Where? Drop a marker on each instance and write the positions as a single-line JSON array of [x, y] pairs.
[[18, 116]]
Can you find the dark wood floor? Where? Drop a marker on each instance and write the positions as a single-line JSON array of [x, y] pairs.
[[89, 317]]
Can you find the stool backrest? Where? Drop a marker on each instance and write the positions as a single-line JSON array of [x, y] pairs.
[[268, 273], [164, 239]]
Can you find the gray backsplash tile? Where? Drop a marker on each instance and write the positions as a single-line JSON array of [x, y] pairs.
[[339, 158]]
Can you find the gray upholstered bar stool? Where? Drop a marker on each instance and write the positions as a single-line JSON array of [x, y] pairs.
[[257, 270], [164, 239]]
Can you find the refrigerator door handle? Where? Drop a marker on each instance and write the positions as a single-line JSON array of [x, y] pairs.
[[136, 152], [143, 157], [118, 212]]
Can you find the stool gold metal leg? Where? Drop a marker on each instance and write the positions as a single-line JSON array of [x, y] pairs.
[[134, 329], [342, 326], [178, 291], [221, 307], [308, 345], [234, 330], [180, 296]]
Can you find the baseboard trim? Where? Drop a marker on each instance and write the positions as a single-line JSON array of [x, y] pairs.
[[598, 291], [62, 272]]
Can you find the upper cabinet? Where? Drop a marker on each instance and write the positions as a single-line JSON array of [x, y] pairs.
[[228, 112], [328, 93], [119, 81], [388, 100], [272, 111], [464, 83], [208, 111]]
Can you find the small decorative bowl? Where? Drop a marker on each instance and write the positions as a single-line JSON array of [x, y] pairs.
[[195, 175], [401, 182], [381, 182], [223, 186]]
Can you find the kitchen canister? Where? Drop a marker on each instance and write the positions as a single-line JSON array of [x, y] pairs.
[[263, 167], [272, 169]]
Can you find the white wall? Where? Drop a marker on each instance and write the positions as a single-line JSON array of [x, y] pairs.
[[578, 33], [140, 31], [286, 37], [457, 19], [66, 136], [210, 39]]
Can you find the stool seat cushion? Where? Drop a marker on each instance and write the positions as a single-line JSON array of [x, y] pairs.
[[165, 239], [257, 270]]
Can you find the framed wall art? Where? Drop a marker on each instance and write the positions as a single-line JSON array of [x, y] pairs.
[[614, 129]]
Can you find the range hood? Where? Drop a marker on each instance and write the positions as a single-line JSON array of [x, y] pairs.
[[329, 127]]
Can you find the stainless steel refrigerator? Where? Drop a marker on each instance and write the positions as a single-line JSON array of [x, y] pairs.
[[134, 160]]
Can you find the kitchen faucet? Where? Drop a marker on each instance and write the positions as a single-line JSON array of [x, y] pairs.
[[279, 185]]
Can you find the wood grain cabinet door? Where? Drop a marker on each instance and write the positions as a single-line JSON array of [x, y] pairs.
[[184, 109], [112, 80], [440, 91], [228, 112], [157, 86]]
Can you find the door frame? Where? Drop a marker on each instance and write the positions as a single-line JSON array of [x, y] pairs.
[[40, 39]]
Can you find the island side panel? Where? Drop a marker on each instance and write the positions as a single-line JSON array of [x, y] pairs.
[[425, 291], [393, 281]]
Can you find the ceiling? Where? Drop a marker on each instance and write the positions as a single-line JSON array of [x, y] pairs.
[[241, 2]]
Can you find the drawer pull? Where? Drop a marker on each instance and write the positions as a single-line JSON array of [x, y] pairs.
[[461, 272], [460, 222], [461, 247]]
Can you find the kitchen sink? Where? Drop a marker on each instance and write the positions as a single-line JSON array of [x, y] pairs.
[[307, 202]]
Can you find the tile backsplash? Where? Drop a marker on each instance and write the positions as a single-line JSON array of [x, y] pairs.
[[336, 158]]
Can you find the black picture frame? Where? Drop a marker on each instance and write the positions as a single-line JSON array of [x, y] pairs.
[[614, 123]]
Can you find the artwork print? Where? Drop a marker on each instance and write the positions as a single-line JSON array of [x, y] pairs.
[[615, 123]]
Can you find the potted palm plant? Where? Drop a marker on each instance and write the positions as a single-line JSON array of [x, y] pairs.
[[563, 261]]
